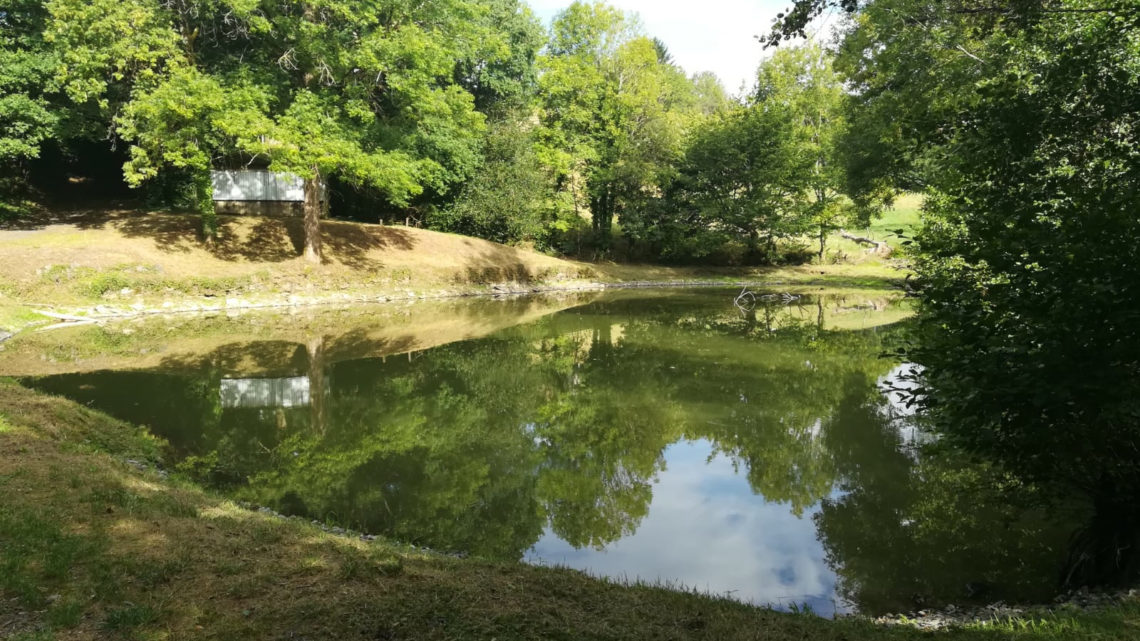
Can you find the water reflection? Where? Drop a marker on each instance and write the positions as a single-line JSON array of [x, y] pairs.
[[708, 530], [659, 436]]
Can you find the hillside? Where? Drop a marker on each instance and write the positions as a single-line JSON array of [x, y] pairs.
[[168, 245]]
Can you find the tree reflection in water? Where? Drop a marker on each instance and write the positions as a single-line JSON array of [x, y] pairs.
[[562, 425]]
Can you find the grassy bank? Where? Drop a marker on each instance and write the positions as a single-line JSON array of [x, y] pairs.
[[96, 544], [107, 262]]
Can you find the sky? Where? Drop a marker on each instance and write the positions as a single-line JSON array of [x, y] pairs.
[[702, 35], [706, 529]]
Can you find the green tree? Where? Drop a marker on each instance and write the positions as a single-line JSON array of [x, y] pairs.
[[800, 83], [1019, 121], [501, 73], [614, 111], [29, 104], [710, 94], [323, 87], [767, 170], [28, 115], [507, 199], [736, 182]]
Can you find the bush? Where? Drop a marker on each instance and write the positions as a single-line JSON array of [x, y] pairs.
[[505, 200]]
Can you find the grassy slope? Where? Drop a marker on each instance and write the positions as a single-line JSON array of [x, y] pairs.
[[93, 547], [79, 259]]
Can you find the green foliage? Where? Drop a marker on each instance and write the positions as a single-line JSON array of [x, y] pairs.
[[389, 104], [710, 94], [736, 182], [614, 113], [316, 89], [762, 172], [28, 116], [801, 83], [1021, 123], [507, 200], [503, 77]]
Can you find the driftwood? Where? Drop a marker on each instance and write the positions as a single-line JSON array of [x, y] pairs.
[[745, 301], [48, 328], [877, 247], [65, 317]]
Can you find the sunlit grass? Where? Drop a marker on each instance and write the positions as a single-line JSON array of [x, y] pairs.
[[905, 214], [14, 318]]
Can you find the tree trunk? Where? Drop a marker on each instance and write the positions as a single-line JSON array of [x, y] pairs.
[[605, 216], [316, 350], [204, 195], [313, 218], [822, 242]]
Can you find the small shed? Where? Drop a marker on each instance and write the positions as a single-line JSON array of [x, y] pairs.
[[265, 392], [258, 192]]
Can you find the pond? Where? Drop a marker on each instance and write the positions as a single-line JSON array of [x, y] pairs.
[[663, 436]]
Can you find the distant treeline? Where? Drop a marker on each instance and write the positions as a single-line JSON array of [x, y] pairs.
[[459, 115]]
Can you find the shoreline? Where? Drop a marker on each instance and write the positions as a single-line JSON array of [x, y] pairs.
[[72, 316]]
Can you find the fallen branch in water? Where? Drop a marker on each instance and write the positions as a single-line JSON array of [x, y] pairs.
[[878, 247], [65, 317], [745, 301]]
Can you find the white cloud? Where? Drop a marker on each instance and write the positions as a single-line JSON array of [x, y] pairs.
[[707, 530], [714, 35]]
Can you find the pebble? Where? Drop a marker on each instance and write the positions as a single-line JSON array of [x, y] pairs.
[[954, 615]]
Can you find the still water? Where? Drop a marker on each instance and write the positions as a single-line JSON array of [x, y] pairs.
[[663, 436]]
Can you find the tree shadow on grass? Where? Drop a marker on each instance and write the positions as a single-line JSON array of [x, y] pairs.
[[267, 240], [351, 243], [171, 233], [81, 217], [502, 264], [250, 238]]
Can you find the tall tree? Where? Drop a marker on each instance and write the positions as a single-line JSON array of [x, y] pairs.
[[27, 115], [710, 93], [313, 88], [1019, 119], [800, 83], [737, 183], [613, 108]]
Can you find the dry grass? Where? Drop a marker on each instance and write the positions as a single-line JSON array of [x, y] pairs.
[[130, 257], [104, 239], [127, 259]]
